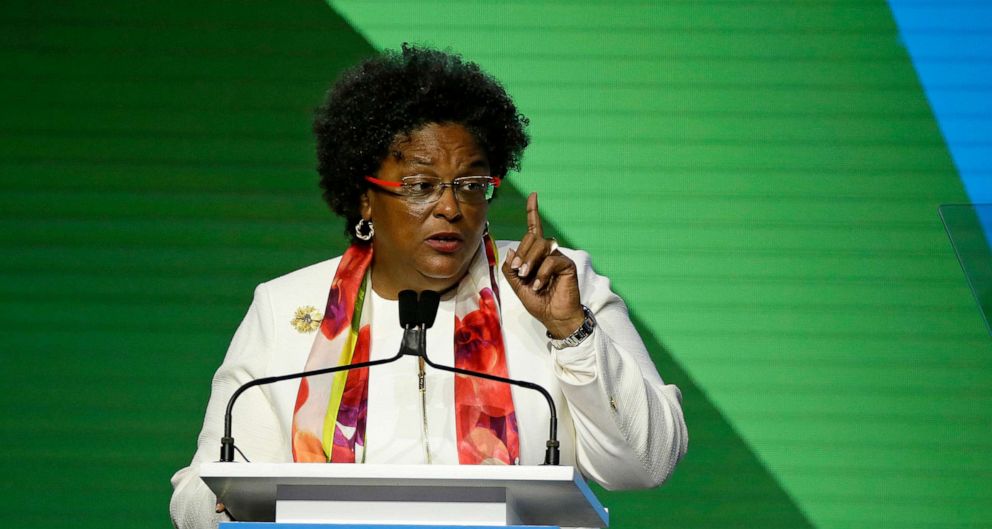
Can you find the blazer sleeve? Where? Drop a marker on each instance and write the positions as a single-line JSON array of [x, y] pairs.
[[256, 429], [629, 427]]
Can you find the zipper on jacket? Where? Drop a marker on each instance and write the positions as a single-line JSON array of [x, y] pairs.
[[422, 386]]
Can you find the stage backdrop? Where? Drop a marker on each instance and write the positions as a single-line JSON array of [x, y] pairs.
[[759, 179]]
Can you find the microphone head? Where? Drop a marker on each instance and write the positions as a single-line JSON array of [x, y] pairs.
[[429, 300], [409, 309]]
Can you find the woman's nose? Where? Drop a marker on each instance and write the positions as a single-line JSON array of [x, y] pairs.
[[447, 205]]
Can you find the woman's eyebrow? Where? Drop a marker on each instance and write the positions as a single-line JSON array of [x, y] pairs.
[[427, 161], [421, 159]]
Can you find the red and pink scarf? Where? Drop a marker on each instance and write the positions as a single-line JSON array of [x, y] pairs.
[[331, 410]]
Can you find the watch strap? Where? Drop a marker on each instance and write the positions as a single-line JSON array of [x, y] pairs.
[[580, 334]]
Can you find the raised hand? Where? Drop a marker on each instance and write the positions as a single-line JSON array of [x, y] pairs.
[[544, 279]]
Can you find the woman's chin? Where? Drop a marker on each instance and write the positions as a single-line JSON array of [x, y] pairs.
[[443, 270]]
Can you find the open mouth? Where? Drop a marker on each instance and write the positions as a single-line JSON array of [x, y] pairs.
[[445, 242]]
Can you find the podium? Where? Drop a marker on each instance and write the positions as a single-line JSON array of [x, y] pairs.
[[393, 495]]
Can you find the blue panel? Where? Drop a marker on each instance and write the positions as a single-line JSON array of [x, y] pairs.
[[923, 16], [960, 102], [950, 44], [956, 46], [973, 130]]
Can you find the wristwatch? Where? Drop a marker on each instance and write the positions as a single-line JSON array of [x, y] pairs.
[[579, 335]]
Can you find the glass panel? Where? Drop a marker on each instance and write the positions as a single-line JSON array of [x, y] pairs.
[[969, 227]]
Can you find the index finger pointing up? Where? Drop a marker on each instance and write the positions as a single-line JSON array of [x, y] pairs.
[[534, 217]]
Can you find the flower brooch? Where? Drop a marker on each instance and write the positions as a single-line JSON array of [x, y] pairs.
[[306, 319]]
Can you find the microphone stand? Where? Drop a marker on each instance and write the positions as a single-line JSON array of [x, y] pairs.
[[227, 442], [551, 454], [416, 317]]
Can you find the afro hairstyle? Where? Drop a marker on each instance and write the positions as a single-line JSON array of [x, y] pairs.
[[387, 96]]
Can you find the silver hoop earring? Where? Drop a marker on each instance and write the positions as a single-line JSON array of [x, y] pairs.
[[367, 227]]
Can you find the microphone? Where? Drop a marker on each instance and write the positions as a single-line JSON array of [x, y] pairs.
[[427, 312], [410, 319], [409, 315], [427, 308]]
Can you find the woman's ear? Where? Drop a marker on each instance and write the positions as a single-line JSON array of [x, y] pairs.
[[365, 205]]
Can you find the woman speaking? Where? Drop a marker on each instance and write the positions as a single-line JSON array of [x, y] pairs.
[[411, 147]]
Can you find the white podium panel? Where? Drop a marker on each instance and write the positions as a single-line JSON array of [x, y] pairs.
[[405, 494]]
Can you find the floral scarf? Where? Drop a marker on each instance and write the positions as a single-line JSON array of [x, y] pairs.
[[331, 410]]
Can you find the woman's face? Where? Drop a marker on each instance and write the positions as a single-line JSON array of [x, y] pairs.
[[425, 246]]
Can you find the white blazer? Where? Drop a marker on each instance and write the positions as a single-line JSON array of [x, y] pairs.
[[619, 423]]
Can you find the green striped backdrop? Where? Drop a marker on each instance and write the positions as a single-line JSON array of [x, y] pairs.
[[758, 178]]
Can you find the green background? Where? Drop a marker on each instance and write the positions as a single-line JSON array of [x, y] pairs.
[[759, 179]]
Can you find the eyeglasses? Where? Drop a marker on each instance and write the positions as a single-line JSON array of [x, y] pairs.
[[422, 189]]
